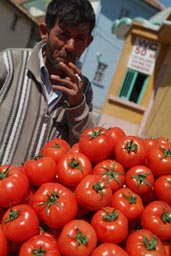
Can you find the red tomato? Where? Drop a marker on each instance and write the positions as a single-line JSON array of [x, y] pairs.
[[3, 243], [2, 211], [111, 225], [30, 193], [92, 192], [47, 231], [96, 144], [40, 245], [130, 151], [150, 143], [14, 185], [55, 204], [75, 148], [55, 149], [109, 249], [162, 188], [164, 142], [82, 212], [159, 161], [148, 197], [128, 202], [134, 225], [20, 222], [77, 238], [144, 242], [139, 179], [116, 133], [112, 171], [13, 248], [72, 167], [40, 170], [166, 244], [157, 218]]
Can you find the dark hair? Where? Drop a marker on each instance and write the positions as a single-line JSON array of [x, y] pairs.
[[71, 13]]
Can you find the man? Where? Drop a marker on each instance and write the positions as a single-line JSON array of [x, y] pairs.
[[43, 93]]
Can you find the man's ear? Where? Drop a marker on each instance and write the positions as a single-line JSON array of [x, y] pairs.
[[43, 31]]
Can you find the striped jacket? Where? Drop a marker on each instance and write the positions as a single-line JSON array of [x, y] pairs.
[[26, 123]]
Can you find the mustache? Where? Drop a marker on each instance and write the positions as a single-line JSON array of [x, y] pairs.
[[66, 55]]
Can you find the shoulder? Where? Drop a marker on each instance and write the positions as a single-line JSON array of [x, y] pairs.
[[15, 51], [10, 59], [9, 55]]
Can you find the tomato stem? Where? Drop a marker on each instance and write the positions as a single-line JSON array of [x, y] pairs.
[[131, 146], [150, 244], [52, 200], [4, 174], [166, 217], [132, 199], [56, 145], [110, 216], [141, 178], [98, 187], [12, 215], [95, 134], [39, 252], [74, 164], [111, 174], [80, 237], [166, 151], [38, 157]]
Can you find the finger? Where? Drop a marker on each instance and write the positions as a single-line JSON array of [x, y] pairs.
[[74, 67], [68, 71]]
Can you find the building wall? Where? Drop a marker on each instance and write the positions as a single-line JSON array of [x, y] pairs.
[[151, 116], [15, 29], [158, 121], [106, 47]]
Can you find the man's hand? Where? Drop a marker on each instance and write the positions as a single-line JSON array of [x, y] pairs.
[[72, 84]]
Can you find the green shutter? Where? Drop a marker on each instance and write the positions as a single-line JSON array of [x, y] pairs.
[[128, 84], [133, 86]]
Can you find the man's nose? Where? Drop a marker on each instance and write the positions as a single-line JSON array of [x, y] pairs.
[[70, 45]]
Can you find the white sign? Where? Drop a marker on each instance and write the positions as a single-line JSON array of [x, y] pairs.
[[144, 55]]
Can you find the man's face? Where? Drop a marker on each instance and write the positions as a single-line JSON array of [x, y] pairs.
[[65, 44]]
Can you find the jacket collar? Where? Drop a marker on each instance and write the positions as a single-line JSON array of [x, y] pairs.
[[34, 62]]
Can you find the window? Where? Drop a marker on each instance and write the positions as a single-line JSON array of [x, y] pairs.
[[133, 86], [124, 13], [98, 78]]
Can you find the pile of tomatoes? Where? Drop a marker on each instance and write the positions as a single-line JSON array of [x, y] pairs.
[[109, 194]]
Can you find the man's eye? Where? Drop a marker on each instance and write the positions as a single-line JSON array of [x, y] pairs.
[[63, 36], [81, 38]]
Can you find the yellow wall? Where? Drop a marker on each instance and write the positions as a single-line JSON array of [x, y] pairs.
[[122, 109], [159, 121]]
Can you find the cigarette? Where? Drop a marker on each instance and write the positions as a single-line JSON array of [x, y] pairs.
[[78, 77]]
